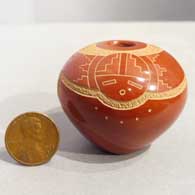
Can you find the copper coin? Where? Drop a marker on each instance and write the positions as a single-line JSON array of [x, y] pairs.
[[32, 138]]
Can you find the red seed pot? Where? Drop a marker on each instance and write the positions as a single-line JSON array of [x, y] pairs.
[[122, 95]]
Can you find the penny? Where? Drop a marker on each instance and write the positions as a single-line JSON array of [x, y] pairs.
[[32, 138]]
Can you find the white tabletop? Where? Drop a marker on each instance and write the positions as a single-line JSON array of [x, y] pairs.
[[31, 57]]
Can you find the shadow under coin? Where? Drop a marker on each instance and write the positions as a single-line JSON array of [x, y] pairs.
[[4, 156], [76, 147]]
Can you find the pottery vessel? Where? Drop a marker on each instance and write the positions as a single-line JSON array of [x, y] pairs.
[[122, 95]]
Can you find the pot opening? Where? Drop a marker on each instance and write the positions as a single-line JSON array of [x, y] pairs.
[[123, 44]]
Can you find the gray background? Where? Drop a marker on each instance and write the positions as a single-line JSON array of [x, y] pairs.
[[38, 11], [31, 57]]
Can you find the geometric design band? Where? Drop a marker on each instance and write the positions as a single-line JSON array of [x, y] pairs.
[[123, 105]]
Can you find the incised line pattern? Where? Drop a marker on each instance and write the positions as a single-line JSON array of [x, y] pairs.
[[123, 105]]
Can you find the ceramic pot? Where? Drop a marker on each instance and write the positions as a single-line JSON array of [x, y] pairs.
[[121, 94]]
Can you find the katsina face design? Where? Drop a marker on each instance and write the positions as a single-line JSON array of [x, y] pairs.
[[122, 76]]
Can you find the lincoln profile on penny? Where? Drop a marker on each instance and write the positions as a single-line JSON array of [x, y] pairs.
[[127, 92], [31, 128], [33, 139]]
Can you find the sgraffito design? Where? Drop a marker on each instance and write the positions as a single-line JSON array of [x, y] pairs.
[[122, 79], [123, 105]]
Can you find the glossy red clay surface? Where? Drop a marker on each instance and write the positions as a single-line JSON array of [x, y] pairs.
[[122, 94]]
